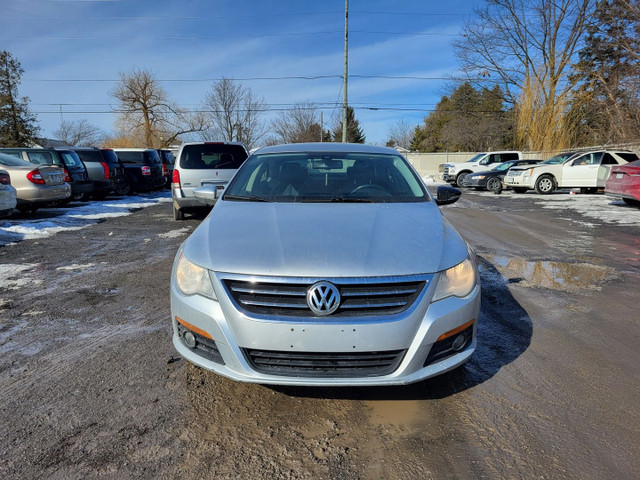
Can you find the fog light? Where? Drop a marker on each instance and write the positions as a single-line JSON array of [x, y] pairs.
[[190, 339], [459, 342]]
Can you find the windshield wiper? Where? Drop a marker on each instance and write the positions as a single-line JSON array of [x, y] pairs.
[[352, 199], [244, 198]]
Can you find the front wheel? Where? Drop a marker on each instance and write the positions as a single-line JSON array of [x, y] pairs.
[[494, 184], [460, 179], [545, 184]]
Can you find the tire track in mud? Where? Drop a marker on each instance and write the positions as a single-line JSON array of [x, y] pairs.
[[58, 362]]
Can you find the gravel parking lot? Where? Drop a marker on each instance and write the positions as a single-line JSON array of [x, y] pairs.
[[91, 387]]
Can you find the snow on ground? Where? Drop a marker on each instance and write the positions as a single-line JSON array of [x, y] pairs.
[[14, 276], [599, 207], [175, 233], [75, 217]]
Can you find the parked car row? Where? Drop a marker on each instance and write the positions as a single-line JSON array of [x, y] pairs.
[[617, 171], [36, 177]]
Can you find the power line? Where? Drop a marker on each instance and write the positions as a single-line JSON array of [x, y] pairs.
[[225, 35], [289, 77], [226, 17]]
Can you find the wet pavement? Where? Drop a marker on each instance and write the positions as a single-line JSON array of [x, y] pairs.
[[91, 387]]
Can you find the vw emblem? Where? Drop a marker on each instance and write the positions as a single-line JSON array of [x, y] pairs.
[[323, 298]]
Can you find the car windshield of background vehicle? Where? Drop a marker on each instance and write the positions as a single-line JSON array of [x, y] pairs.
[[503, 167], [212, 156], [326, 177], [70, 159], [558, 159], [40, 157], [476, 157], [90, 155]]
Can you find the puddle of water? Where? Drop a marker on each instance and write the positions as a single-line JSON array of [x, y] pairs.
[[399, 413], [552, 274]]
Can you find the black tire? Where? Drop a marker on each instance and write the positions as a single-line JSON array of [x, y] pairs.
[[632, 202], [545, 184], [520, 190], [494, 184], [460, 179], [177, 214]]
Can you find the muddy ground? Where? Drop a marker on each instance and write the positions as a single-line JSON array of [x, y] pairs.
[[91, 387]]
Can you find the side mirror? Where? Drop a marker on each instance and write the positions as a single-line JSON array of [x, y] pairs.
[[447, 195], [208, 194]]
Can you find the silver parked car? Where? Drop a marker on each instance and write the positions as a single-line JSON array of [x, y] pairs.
[[36, 185], [203, 163], [325, 264], [8, 200]]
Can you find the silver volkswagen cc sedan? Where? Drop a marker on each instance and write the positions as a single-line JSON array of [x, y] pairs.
[[325, 264]]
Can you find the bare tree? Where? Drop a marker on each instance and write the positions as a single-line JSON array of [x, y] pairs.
[[79, 132], [147, 112], [233, 112], [298, 125], [528, 46], [401, 134]]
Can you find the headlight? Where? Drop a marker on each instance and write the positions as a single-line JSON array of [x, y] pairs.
[[456, 281], [192, 279], [479, 177], [528, 173]]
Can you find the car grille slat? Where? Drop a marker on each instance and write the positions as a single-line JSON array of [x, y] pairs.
[[324, 364], [288, 299]]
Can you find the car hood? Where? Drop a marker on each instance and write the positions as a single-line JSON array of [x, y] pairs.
[[325, 240]]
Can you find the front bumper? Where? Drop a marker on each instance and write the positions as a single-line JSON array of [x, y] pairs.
[[517, 182], [237, 334], [474, 182]]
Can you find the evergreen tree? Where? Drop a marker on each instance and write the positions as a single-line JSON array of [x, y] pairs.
[[355, 134], [606, 105], [467, 120], [18, 126]]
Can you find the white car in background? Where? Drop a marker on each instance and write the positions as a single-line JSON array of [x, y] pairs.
[[585, 170], [203, 163], [7, 195]]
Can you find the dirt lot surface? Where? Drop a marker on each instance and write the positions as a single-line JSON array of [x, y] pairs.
[[91, 387]]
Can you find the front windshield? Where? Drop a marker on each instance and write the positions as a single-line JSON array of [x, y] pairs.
[[558, 159], [504, 166], [326, 177], [476, 157]]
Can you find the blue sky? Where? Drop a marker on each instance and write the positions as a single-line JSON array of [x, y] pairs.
[[72, 52]]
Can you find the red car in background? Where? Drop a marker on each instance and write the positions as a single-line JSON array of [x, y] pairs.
[[624, 183]]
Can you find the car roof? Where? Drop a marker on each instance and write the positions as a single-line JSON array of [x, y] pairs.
[[328, 147]]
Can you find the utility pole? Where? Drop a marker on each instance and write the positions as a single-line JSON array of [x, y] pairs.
[[346, 71], [321, 126]]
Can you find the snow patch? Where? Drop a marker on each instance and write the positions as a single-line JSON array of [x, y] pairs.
[[76, 266], [175, 233], [15, 276], [76, 217]]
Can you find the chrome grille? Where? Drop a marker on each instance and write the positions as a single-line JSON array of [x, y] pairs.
[[289, 299], [314, 364]]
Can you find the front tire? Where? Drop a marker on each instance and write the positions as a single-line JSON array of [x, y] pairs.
[[494, 184], [545, 184], [460, 179], [632, 202]]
